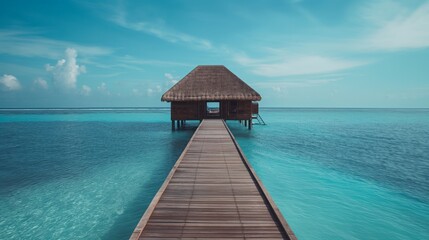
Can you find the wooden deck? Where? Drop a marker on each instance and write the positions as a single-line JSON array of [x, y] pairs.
[[212, 192]]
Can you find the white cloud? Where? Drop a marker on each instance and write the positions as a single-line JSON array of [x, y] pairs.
[[149, 91], [30, 44], [66, 71], [128, 60], [370, 11], [136, 92], [276, 89], [411, 32], [296, 65], [10, 83], [171, 79], [86, 90], [384, 25], [397, 27], [169, 76], [160, 31], [304, 81], [42, 83], [103, 88], [158, 88]]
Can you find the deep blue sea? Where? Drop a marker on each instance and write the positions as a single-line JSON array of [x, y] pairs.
[[334, 173]]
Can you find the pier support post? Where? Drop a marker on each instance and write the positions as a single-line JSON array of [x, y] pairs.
[[172, 125], [245, 123], [250, 124]]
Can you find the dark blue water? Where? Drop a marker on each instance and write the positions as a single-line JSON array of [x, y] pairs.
[[334, 173]]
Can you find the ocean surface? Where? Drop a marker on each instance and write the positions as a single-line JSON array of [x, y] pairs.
[[334, 173]]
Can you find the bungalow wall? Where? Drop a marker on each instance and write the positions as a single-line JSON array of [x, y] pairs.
[[186, 110], [255, 108], [197, 110], [237, 110]]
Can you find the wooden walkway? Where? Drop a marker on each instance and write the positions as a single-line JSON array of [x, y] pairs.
[[212, 192]]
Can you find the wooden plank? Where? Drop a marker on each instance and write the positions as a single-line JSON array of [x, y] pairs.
[[212, 192], [143, 221], [265, 193]]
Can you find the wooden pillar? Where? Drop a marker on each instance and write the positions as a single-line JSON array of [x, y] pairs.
[[245, 123], [172, 125], [250, 124]]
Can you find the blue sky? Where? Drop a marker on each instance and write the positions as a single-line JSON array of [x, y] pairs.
[[295, 53]]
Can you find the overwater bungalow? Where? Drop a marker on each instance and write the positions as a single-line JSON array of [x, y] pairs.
[[211, 92], [212, 190]]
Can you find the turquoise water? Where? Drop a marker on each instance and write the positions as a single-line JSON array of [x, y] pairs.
[[82, 174], [334, 173]]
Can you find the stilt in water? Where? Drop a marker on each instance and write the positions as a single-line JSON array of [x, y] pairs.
[[173, 128]]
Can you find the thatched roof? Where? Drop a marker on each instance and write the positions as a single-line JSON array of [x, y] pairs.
[[210, 83]]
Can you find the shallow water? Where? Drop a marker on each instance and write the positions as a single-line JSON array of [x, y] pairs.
[[334, 173], [345, 173], [82, 174]]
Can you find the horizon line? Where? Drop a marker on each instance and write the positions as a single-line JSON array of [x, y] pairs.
[[135, 108]]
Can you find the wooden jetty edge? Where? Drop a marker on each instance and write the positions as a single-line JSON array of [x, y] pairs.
[[212, 192]]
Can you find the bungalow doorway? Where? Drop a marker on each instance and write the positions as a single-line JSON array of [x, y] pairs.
[[213, 109]]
